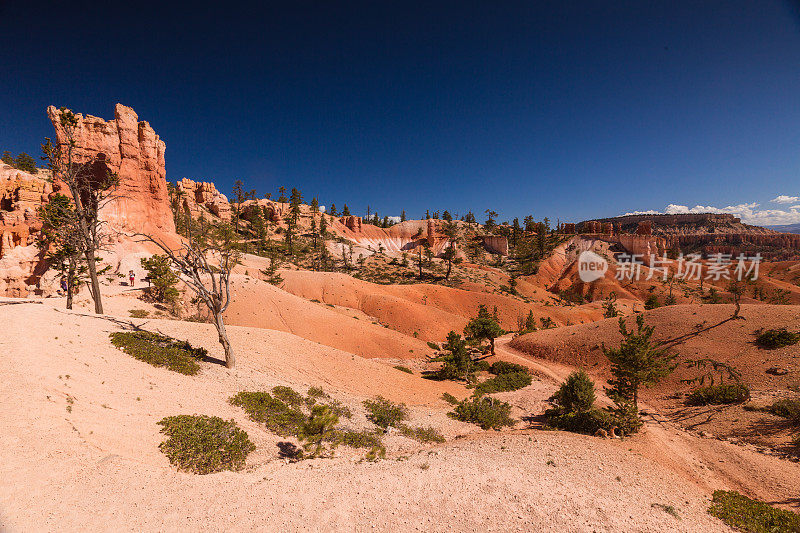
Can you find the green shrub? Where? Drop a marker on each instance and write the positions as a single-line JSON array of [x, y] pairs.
[[449, 398], [481, 366], [433, 346], [750, 515], [317, 392], [276, 415], [488, 413], [504, 383], [359, 439], [576, 394], [787, 409], [504, 367], [587, 422], [777, 338], [421, 434], [342, 411], [204, 444], [138, 313], [317, 429], [384, 413], [626, 418], [724, 393], [162, 278], [288, 396], [405, 369], [159, 350], [651, 302]]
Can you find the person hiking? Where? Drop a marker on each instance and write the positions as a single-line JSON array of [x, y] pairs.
[[132, 278]]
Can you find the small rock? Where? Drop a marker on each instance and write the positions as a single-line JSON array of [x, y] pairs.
[[777, 371]]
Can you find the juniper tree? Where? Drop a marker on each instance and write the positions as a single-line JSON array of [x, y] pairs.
[[205, 261]]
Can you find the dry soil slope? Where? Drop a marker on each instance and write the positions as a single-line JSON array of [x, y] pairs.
[[258, 304], [693, 330], [98, 468], [429, 310]]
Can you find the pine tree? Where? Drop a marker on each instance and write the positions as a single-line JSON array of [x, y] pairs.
[[483, 327], [403, 215], [638, 362], [346, 211]]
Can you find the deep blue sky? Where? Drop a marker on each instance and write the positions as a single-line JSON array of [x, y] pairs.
[[585, 110]]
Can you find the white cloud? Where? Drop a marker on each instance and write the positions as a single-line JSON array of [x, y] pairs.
[[749, 213], [783, 199], [394, 220]]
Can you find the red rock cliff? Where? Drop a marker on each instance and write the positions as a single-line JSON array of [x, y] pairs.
[[134, 151]]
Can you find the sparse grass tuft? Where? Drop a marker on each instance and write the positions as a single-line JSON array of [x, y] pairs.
[[422, 434], [139, 313], [160, 350], [750, 515], [449, 398], [488, 413], [670, 510], [204, 444]]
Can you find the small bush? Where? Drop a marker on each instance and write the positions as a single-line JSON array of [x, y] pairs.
[[787, 409], [276, 415], [724, 393], [422, 434], [317, 429], [576, 393], [750, 515], [504, 367], [433, 346], [204, 444], [481, 365], [651, 302], [405, 369], [384, 413], [317, 392], [488, 413], [587, 422], [504, 383], [777, 338], [138, 313], [159, 350], [359, 439], [449, 398], [288, 396]]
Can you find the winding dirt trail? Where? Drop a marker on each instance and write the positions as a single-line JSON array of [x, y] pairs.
[[708, 463]]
